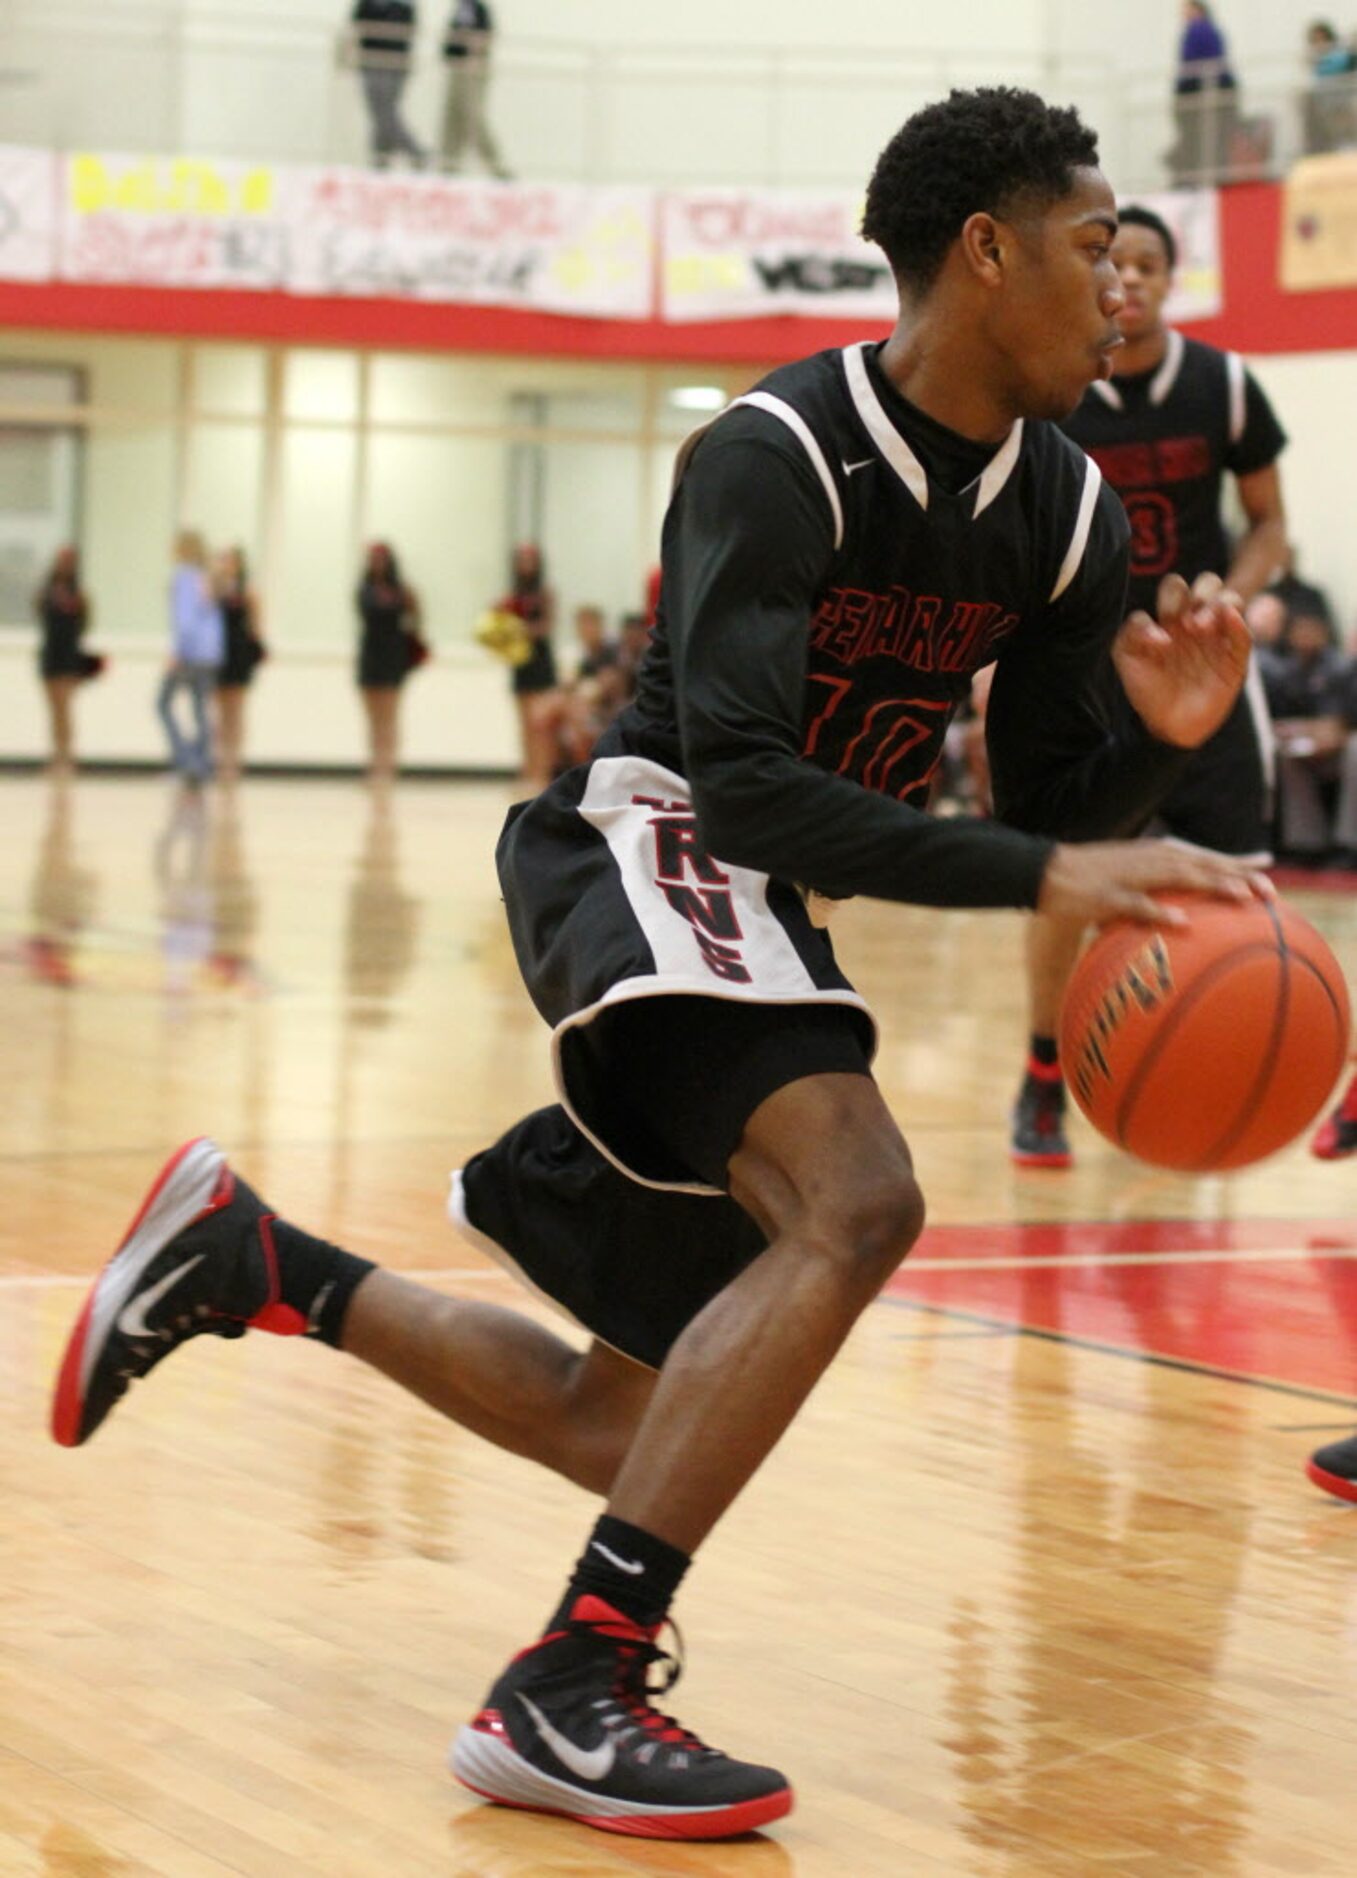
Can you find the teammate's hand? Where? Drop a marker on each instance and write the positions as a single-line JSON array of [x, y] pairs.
[[1103, 880], [1183, 671]]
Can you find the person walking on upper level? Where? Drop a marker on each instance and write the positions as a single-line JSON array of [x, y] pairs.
[[384, 31], [198, 647], [466, 50]]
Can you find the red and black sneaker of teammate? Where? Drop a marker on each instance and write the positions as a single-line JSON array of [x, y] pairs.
[[569, 1728], [1335, 1468], [197, 1260], [1038, 1138], [1336, 1137]]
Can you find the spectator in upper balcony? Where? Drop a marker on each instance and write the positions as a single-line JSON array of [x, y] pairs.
[[466, 49], [384, 32], [1205, 103], [1330, 120]]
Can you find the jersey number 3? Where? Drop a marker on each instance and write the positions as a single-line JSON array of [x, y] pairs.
[[1154, 533]]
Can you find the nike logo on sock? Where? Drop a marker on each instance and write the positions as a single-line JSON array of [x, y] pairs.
[[318, 1304], [632, 1567], [132, 1317], [592, 1764]]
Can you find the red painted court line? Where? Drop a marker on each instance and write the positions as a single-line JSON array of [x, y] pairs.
[[1290, 1319]]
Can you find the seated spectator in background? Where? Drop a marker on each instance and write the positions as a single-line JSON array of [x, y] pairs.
[[1312, 695], [1329, 120], [385, 31], [466, 50], [1205, 101], [631, 650], [596, 693]]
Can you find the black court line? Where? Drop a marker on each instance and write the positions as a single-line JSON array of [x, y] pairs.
[[1116, 1349]]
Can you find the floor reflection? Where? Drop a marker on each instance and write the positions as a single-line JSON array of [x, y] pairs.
[[1064, 1701], [382, 926], [63, 894]]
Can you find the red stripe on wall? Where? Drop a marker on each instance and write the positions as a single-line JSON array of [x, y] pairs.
[[1258, 316]]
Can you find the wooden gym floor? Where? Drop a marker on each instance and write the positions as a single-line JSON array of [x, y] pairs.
[[1035, 1588]]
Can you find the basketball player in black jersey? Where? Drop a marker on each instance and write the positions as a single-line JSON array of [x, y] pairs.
[[1173, 420], [721, 1191]]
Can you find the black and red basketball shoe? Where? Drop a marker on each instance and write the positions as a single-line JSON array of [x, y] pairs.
[[1335, 1468], [1336, 1137], [197, 1260], [1038, 1138], [570, 1728]]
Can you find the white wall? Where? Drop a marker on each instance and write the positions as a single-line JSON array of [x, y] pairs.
[[1314, 395]]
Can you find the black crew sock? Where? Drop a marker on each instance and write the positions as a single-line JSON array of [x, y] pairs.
[[317, 1279], [628, 1568], [1045, 1051]]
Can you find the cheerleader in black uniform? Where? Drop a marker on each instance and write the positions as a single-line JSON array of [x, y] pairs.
[[390, 614], [244, 649], [542, 704], [63, 610]]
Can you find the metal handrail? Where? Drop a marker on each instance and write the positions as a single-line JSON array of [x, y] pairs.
[[1278, 110]]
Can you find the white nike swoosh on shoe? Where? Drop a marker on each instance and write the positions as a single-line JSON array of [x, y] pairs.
[[132, 1317], [592, 1764], [866, 463], [633, 1567]]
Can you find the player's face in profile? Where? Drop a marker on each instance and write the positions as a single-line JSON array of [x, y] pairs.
[[1064, 299], [1142, 265]]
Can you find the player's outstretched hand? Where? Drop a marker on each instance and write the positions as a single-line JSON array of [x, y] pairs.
[[1103, 880], [1183, 671]]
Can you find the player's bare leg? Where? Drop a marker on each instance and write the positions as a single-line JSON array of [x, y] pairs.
[[569, 1726], [502, 1375], [1052, 947], [825, 1171]]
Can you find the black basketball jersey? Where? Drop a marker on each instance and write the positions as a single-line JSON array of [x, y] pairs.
[[829, 589], [1164, 440]]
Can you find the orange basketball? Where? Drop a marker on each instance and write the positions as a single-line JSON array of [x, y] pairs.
[[1209, 1046]]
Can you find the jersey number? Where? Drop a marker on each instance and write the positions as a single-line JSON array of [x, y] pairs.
[[1154, 533]]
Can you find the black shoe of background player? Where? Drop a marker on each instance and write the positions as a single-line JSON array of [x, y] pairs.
[[1038, 1137], [1335, 1468]]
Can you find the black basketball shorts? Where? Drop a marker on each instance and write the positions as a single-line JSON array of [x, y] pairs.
[[682, 994]]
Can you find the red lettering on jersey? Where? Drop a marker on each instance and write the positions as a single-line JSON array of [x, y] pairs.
[[1154, 532], [838, 689], [1143, 465], [1180, 459], [1125, 465], [971, 629], [676, 848], [722, 961], [709, 909], [851, 624]]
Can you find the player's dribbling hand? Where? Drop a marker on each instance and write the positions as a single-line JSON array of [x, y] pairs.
[[1183, 671], [1103, 880]]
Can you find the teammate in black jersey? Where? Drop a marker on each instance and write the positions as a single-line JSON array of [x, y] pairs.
[[1174, 419], [721, 1190]]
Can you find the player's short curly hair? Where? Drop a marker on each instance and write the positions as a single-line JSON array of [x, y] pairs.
[[1134, 216], [976, 151]]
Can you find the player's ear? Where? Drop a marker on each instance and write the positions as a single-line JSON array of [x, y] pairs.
[[982, 244]]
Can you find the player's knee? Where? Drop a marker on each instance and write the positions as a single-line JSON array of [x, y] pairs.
[[877, 1224]]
